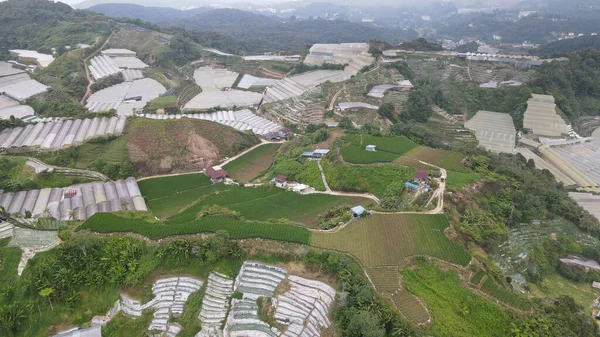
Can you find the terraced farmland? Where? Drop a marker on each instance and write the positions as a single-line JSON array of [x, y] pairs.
[[111, 223], [157, 188], [388, 239], [410, 307], [180, 205], [252, 164], [385, 279]]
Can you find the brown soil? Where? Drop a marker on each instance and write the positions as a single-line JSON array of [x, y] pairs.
[[176, 146]]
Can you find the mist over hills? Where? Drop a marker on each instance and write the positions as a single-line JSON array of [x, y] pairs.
[[258, 32]]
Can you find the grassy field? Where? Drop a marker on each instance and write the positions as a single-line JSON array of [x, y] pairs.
[[171, 199], [458, 180], [386, 239], [372, 179], [455, 310], [111, 223], [163, 102], [451, 161], [9, 260], [19, 176], [555, 285], [311, 175], [252, 164], [388, 149]]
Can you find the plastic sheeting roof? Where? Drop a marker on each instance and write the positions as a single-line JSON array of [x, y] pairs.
[[24, 90], [16, 111]]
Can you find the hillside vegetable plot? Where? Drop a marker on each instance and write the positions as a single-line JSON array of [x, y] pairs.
[[410, 307], [157, 188], [110, 223], [387, 239], [252, 164], [180, 205]]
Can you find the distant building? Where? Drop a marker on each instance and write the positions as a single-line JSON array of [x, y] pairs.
[[216, 174], [280, 181], [371, 148], [358, 211], [421, 176], [90, 332], [411, 186], [300, 188], [278, 135], [316, 154]]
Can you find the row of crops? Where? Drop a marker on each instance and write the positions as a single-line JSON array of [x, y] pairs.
[[111, 223], [388, 239], [160, 187], [490, 287], [253, 163]]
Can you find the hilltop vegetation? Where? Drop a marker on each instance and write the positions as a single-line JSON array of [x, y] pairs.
[[41, 25], [245, 33]]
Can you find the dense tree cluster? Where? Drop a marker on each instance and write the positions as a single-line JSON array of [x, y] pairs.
[[41, 25], [421, 44], [575, 84]]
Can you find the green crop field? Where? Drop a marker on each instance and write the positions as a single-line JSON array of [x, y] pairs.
[[180, 204], [449, 160], [388, 149], [252, 164], [385, 279], [112, 223], [476, 279], [388, 239], [410, 307], [162, 187]]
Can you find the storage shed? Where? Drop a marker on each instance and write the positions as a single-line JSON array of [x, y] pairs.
[[358, 211]]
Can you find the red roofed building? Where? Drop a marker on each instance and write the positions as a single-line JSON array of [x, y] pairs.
[[421, 176], [216, 174]]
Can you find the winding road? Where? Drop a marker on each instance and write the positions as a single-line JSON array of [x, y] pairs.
[[437, 194]]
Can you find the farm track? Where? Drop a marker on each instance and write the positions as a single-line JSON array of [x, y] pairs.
[[263, 142], [439, 194], [72, 171], [88, 90]]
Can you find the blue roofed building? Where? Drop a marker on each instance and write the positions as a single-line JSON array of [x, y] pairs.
[[411, 186], [358, 211]]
